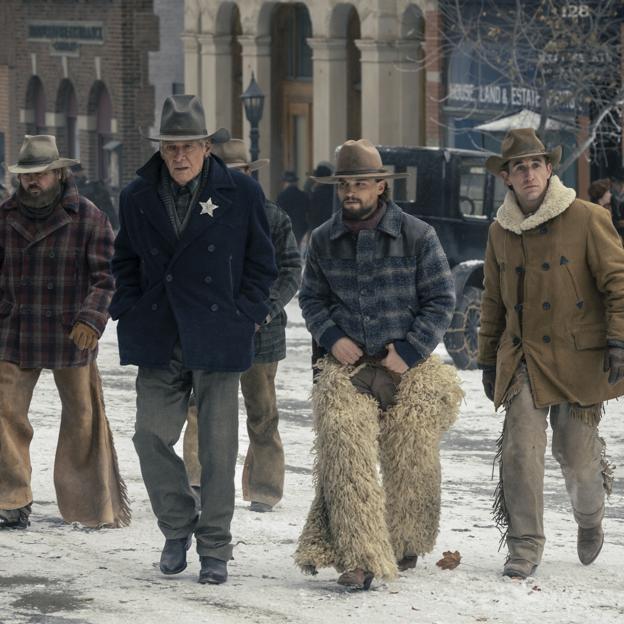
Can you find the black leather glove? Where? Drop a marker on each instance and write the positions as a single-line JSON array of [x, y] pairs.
[[489, 382], [614, 363]]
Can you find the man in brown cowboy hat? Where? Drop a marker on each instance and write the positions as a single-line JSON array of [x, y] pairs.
[[551, 341], [377, 295], [193, 265], [55, 287], [263, 472]]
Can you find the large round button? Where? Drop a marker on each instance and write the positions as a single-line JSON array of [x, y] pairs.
[[214, 307], [546, 338], [153, 251], [169, 277], [154, 306], [48, 314], [546, 305], [545, 266], [208, 279], [211, 247], [516, 340], [50, 285]]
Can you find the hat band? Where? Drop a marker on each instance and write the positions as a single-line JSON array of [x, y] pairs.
[[182, 132], [347, 172], [36, 161]]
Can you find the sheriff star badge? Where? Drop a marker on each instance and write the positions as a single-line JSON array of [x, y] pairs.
[[208, 207]]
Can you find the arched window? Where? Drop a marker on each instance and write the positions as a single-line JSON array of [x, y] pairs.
[[35, 107], [100, 107], [68, 107]]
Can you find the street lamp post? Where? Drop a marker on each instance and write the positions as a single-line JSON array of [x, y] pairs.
[[253, 101]]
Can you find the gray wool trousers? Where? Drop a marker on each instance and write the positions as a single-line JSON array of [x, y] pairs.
[[577, 448], [162, 403]]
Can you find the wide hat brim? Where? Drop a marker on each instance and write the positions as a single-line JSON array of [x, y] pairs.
[[365, 175], [222, 135], [58, 163], [495, 164], [252, 166]]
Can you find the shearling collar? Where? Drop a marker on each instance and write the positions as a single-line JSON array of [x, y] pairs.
[[558, 197]]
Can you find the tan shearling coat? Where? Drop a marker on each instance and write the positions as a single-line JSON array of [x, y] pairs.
[[554, 294]]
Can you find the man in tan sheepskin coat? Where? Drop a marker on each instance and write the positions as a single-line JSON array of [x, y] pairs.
[[377, 296], [551, 341]]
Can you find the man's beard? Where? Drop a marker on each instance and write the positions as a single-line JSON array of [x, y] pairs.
[[43, 199], [357, 212]]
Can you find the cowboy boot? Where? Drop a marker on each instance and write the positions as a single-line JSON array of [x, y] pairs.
[[589, 544]]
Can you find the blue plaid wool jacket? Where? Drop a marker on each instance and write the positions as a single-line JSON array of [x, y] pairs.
[[390, 284]]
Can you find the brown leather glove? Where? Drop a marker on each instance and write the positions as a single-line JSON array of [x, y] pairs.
[[489, 382], [614, 363], [84, 337]]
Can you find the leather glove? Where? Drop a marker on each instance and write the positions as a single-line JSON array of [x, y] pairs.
[[84, 337], [614, 363], [489, 382]]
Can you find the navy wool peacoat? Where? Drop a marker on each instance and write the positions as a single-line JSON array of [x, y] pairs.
[[208, 289]]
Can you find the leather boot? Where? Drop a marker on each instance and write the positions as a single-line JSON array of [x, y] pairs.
[[589, 544], [519, 568], [408, 562], [15, 518], [213, 571], [356, 579], [173, 556]]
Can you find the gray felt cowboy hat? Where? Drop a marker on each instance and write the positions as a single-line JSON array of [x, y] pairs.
[[39, 153], [234, 154], [183, 119], [521, 143], [359, 160]]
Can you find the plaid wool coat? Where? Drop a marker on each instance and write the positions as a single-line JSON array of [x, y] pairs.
[[53, 273]]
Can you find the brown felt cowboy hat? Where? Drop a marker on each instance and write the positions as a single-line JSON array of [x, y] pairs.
[[183, 119], [359, 160], [234, 154], [39, 153], [521, 143]]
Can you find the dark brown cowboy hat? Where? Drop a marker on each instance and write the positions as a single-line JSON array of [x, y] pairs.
[[234, 154], [521, 143], [360, 160], [39, 153], [183, 119]]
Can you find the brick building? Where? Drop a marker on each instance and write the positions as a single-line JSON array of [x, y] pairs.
[[78, 69]]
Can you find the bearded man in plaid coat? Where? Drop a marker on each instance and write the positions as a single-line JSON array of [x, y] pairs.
[[55, 288]]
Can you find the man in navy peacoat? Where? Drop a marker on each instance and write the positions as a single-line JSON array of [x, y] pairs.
[[193, 265]]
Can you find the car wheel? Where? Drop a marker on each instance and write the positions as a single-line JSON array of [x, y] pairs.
[[461, 337]]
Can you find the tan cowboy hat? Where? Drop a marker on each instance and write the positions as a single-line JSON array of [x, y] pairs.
[[234, 154], [521, 143], [360, 160], [39, 153], [183, 119]]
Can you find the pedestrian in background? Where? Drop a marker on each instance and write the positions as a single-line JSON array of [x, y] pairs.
[[295, 203], [600, 193], [55, 287], [263, 471]]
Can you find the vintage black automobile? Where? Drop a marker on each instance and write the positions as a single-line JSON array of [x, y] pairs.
[[451, 190]]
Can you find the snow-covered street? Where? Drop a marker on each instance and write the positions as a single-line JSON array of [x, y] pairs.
[[56, 573]]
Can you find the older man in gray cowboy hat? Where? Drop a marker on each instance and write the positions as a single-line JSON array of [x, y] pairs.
[[55, 287], [377, 295], [551, 342], [263, 472], [193, 265]]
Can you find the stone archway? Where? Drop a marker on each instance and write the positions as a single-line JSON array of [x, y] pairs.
[[67, 138], [292, 91], [35, 107], [411, 76]]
